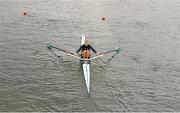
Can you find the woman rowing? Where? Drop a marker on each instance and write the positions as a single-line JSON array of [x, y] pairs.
[[85, 49]]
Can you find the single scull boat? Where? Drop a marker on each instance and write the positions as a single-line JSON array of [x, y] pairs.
[[85, 62]]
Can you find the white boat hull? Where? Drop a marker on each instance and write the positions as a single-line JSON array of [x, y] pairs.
[[86, 71]]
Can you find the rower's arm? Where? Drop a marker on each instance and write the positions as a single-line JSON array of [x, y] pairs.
[[79, 49], [93, 49]]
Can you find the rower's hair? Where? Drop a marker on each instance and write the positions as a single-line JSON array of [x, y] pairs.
[[87, 41]]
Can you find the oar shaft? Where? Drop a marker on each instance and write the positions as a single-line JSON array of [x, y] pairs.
[[104, 53], [74, 56], [108, 52], [63, 50], [67, 52]]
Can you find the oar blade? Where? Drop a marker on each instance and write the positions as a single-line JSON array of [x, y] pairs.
[[49, 46], [118, 50]]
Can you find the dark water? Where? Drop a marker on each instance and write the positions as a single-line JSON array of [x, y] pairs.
[[145, 76]]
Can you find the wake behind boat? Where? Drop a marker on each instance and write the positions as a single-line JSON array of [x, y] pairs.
[[85, 62]]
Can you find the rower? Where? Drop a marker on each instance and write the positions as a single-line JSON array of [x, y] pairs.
[[85, 49]]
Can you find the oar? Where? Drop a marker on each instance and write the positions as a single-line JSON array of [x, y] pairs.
[[117, 50], [50, 46]]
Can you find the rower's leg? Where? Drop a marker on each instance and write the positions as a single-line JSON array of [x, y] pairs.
[[84, 54], [88, 54]]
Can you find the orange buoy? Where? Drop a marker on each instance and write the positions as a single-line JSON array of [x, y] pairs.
[[24, 13], [103, 18]]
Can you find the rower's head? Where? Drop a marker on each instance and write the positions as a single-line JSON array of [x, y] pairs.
[[86, 42]]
